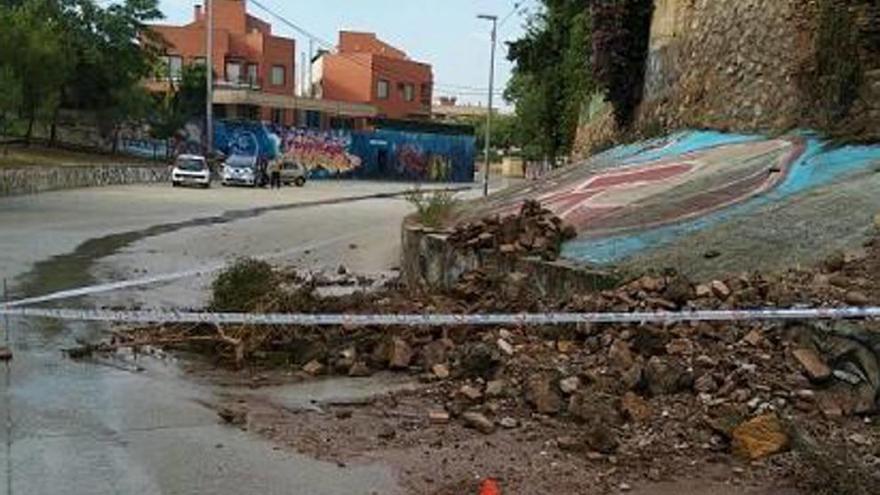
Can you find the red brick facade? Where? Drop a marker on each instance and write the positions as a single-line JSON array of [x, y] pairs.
[[368, 70]]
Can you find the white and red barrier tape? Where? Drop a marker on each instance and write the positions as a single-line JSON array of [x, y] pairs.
[[521, 319]]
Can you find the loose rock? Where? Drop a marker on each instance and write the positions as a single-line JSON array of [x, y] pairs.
[[438, 417], [635, 408], [505, 347], [720, 289], [478, 422], [441, 371], [233, 415], [814, 366], [359, 370], [856, 298], [569, 385], [496, 388], [470, 393], [508, 423], [400, 354], [667, 376], [541, 393], [313, 367], [760, 437]]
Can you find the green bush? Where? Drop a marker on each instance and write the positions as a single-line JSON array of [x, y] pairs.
[[243, 286]]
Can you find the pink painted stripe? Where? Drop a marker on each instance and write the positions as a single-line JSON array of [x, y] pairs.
[[655, 173]]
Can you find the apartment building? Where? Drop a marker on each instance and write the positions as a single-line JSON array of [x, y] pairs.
[[255, 70], [365, 69]]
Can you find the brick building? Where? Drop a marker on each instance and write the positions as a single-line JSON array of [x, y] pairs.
[[255, 70], [366, 70]]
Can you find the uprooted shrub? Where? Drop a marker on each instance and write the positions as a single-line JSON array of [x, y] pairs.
[[242, 286]]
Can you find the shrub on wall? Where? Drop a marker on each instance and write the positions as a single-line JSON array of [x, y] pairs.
[[621, 33], [831, 80]]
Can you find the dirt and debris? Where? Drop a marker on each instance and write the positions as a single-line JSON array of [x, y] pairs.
[[535, 231], [558, 407]]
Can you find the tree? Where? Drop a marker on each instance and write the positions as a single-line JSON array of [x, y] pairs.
[[37, 57], [75, 54], [503, 130], [551, 77], [621, 35], [185, 101]]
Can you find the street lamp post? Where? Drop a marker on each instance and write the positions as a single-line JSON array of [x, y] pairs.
[[486, 165], [209, 69]]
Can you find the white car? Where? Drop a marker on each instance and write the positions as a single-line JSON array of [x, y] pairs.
[[239, 170], [191, 170]]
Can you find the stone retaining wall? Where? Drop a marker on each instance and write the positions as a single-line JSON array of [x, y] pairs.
[[430, 262], [32, 180], [758, 66]]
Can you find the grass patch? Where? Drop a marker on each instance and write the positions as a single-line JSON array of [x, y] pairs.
[[433, 208], [17, 155]]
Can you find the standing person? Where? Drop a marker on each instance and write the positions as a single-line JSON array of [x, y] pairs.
[[274, 170]]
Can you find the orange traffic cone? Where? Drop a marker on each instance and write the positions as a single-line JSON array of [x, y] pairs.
[[490, 487]]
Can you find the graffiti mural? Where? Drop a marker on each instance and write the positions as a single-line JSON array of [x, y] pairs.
[[322, 153], [380, 154], [415, 163], [641, 195], [416, 156]]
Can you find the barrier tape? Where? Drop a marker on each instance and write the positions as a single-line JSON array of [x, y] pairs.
[[521, 319]]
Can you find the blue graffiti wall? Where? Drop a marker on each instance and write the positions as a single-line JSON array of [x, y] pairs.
[[379, 155]]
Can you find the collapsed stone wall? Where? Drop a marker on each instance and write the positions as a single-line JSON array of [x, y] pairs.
[[755, 66], [32, 180]]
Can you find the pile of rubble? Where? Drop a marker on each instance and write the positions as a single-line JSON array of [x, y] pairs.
[[621, 392], [535, 231]]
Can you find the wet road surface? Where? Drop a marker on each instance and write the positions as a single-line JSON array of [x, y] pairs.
[[107, 428]]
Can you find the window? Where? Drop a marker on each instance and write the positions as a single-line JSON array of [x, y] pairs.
[[252, 74], [233, 72], [426, 93], [278, 75], [278, 116], [409, 92], [172, 66], [382, 89]]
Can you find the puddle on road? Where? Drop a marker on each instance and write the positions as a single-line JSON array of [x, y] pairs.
[[73, 270], [314, 395], [71, 398]]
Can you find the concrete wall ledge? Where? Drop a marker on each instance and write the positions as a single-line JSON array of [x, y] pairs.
[[36, 179], [430, 262]]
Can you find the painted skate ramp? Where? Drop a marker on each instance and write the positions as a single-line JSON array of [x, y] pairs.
[[642, 196]]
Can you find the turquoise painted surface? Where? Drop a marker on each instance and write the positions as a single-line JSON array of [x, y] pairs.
[[817, 166]]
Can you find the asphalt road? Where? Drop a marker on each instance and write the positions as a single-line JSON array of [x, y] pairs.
[[84, 428]]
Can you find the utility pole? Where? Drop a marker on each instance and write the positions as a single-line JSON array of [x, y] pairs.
[[302, 76], [311, 56], [494, 19], [209, 63]]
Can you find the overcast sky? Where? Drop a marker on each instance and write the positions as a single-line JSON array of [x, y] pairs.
[[444, 33]]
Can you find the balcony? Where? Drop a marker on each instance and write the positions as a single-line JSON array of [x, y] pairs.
[[254, 83]]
